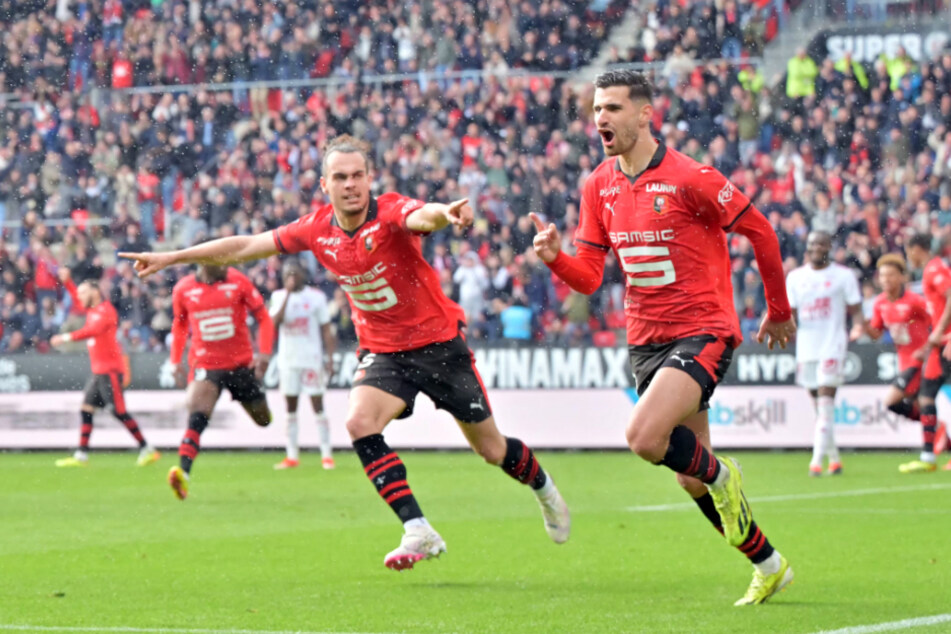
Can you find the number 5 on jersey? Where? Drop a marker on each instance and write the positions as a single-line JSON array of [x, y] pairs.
[[632, 268]]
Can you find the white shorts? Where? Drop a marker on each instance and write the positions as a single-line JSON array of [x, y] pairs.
[[825, 373], [310, 381]]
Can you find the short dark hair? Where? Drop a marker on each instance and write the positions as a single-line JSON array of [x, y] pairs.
[[921, 240], [348, 145], [639, 87]]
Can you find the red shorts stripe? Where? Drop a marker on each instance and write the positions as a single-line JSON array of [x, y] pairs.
[[385, 467], [376, 463], [479, 379], [393, 485], [118, 398], [395, 496], [710, 357]]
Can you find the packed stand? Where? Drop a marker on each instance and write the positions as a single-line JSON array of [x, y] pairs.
[[864, 155]]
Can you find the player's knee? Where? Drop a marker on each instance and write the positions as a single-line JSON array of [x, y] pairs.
[[360, 426], [645, 444]]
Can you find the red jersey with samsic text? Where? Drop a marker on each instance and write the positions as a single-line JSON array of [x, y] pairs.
[[668, 228], [99, 331], [908, 322], [217, 316], [396, 297], [935, 282]]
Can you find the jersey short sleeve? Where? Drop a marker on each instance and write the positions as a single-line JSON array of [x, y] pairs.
[[277, 299], [297, 236], [395, 209], [252, 297], [853, 295], [322, 309], [715, 196], [590, 231], [791, 290], [877, 321]]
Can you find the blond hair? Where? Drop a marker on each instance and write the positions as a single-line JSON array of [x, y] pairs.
[[892, 259]]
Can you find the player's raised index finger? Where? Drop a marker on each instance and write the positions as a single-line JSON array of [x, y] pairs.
[[128, 256], [539, 225], [459, 204]]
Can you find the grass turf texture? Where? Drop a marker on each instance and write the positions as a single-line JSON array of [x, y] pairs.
[[109, 546]]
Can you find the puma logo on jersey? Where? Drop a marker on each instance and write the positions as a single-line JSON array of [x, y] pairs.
[[331, 254], [610, 207]]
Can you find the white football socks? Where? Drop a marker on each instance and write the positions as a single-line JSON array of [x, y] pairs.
[[323, 426], [824, 439], [293, 431]]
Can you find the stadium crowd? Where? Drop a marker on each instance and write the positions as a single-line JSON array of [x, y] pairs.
[[861, 152]]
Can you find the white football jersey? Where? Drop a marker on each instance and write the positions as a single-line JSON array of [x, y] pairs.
[[821, 299], [300, 344]]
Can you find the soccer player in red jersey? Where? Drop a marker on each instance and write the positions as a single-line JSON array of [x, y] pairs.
[[104, 388], [213, 305], [667, 217], [905, 316], [411, 335], [936, 352]]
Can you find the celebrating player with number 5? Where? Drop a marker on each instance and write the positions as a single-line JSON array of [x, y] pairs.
[[411, 335], [213, 304], [666, 218]]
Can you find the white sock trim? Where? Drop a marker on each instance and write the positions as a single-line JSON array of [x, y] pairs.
[[770, 565], [416, 522]]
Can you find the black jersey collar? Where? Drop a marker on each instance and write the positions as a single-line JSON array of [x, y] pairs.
[[371, 216], [655, 161]]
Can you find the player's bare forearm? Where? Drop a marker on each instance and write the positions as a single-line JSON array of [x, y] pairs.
[[220, 252], [435, 216]]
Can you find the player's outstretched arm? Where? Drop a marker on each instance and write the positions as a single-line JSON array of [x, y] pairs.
[[220, 252], [435, 216], [583, 272]]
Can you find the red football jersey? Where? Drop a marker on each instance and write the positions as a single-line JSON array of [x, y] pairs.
[[668, 230], [99, 331], [907, 320], [935, 282], [396, 297], [217, 316]]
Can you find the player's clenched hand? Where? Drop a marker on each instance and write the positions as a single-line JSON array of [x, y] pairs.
[[57, 340], [63, 274], [147, 264], [921, 353], [261, 361], [547, 241], [773, 332], [459, 213]]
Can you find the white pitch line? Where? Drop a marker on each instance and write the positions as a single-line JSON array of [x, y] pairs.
[[679, 506], [907, 624], [145, 630]]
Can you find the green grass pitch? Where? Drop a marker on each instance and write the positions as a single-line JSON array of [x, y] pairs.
[[108, 547]]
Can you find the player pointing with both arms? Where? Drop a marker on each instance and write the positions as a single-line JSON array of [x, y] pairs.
[[411, 335], [666, 218]]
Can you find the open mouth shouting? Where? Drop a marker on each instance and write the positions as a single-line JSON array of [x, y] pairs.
[[607, 137]]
